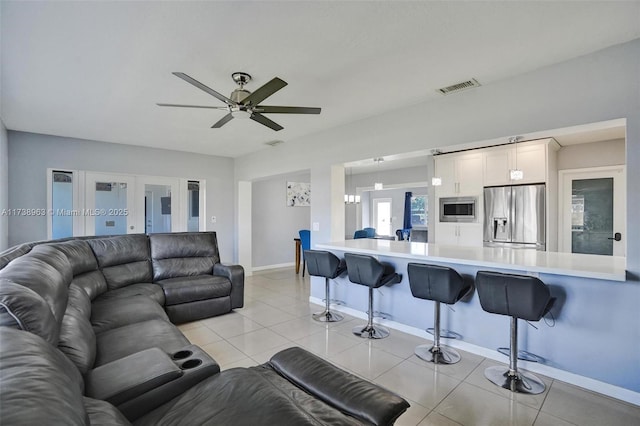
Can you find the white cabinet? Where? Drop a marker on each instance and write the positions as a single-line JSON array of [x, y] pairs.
[[529, 157], [459, 234], [461, 174]]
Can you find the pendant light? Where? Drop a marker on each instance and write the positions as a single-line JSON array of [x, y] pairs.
[[378, 186], [516, 173], [351, 198]]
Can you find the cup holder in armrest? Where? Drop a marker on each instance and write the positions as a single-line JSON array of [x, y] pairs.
[[190, 363], [182, 354]]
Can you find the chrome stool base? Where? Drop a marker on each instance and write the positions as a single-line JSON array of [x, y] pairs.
[[442, 355], [518, 382], [327, 316], [368, 331]]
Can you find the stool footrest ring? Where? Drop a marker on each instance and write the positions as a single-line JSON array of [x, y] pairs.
[[446, 334], [522, 355]]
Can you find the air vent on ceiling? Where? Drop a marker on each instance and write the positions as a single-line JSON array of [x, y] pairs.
[[459, 86], [274, 143]]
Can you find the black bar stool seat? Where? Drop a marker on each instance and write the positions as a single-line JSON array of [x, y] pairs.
[[517, 296], [368, 271], [328, 265], [442, 285]]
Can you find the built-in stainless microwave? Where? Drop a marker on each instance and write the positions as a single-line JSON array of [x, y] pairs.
[[458, 209]]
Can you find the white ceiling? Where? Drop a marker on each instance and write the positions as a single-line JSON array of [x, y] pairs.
[[95, 70]]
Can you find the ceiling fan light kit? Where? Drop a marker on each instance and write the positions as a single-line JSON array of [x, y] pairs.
[[244, 104]]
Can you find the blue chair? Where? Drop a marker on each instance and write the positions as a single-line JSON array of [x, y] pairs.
[[400, 233], [371, 232], [361, 233], [305, 242]]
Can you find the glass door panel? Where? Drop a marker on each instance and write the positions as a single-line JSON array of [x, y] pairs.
[[592, 216], [157, 210], [108, 204]]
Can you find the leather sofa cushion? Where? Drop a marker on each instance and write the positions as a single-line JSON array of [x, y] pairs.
[[77, 338], [79, 254], [200, 244], [120, 342], [192, 311], [246, 396], [194, 288], [42, 278], [40, 386], [54, 257], [124, 259], [342, 390], [183, 254], [93, 283], [103, 413], [14, 252], [128, 273], [23, 309], [151, 290], [107, 314], [181, 267]]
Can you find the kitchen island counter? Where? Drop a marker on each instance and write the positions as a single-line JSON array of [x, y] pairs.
[[521, 260]]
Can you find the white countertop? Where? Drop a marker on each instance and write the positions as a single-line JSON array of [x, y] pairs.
[[568, 264]]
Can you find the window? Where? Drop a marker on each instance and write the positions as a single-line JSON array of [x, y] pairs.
[[61, 204], [419, 210]]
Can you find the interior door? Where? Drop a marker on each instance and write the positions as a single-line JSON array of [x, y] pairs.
[[109, 204], [593, 211], [382, 216]]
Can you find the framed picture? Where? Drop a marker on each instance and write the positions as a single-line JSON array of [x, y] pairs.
[[298, 194]]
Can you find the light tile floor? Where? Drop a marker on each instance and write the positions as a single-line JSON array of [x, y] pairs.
[[277, 315]]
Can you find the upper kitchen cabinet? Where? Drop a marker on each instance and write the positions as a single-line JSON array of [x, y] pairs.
[[461, 174], [531, 158]]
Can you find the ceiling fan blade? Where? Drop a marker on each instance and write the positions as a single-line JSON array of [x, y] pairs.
[[264, 91], [286, 110], [191, 106], [264, 120], [205, 88], [223, 121]]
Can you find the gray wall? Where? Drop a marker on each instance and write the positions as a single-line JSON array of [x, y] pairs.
[[4, 186], [31, 154], [605, 153], [273, 224]]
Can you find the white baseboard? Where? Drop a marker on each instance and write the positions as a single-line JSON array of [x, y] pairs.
[[575, 379], [267, 267]]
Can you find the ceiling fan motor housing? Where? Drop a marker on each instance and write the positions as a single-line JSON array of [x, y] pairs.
[[239, 95]]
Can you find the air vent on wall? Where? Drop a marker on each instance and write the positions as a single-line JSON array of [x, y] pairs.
[[459, 86], [274, 143]]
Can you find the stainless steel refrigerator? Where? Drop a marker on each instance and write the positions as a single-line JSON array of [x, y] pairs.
[[514, 216]]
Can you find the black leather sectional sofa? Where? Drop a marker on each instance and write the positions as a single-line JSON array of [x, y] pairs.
[[87, 336]]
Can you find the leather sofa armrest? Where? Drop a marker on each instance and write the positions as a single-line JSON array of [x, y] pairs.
[[129, 377], [235, 274], [348, 393]]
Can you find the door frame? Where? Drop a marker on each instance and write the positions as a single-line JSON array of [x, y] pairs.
[[565, 177]]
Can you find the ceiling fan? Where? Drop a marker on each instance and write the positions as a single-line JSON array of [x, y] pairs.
[[245, 104]]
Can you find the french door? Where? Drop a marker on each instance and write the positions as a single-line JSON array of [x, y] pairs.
[[109, 204], [593, 211]]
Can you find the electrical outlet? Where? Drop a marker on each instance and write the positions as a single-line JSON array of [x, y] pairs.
[[316, 226], [214, 219]]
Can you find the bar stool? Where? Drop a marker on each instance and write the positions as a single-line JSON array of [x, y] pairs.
[[325, 264], [518, 296], [368, 271], [442, 285]]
